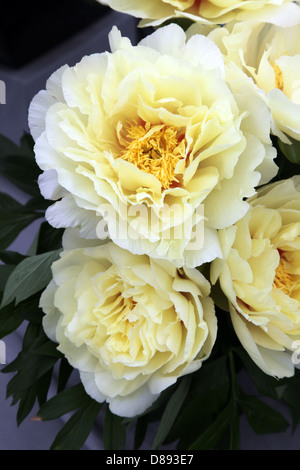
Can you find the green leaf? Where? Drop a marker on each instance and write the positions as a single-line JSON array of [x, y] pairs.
[[290, 151], [49, 238], [27, 144], [189, 424], [11, 257], [43, 385], [184, 23], [5, 272], [37, 203], [212, 382], [171, 411], [38, 391], [62, 403], [140, 431], [26, 404], [234, 429], [213, 433], [262, 418], [11, 316], [211, 387], [34, 336], [11, 226], [7, 146], [29, 365], [29, 277], [75, 432], [265, 384], [64, 373], [18, 165], [34, 368], [49, 349], [286, 168], [230, 437], [14, 217], [291, 397], [9, 321], [114, 431], [22, 172]]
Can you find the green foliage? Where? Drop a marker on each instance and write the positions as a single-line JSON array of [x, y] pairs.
[[171, 411], [11, 316], [17, 164], [32, 372], [22, 280], [62, 403], [184, 23], [290, 396], [30, 276], [290, 151], [5, 272], [262, 417], [15, 217], [287, 167], [114, 431], [74, 433]]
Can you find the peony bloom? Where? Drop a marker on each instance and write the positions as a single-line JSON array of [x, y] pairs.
[[271, 56], [131, 325], [260, 276], [155, 12], [147, 138]]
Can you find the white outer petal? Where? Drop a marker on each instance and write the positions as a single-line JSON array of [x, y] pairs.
[[275, 363], [49, 187], [134, 404], [54, 84], [211, 249], [287, 15], [65, 213], [167, 40], [37, 112], [200, 50], [50, 320]]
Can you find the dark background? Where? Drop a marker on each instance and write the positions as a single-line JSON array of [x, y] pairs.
[[32, 27]]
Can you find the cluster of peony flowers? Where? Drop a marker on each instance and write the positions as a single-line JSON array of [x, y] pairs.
[[153, 155]]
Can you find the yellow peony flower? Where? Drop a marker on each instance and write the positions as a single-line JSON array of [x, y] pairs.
[[155, 12], [131, 325], [260, 276], [136, 143], [271, 56]]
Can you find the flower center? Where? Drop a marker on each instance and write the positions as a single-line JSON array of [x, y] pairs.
[[154, 149], [278, 77], [283, 280], [119, 325]]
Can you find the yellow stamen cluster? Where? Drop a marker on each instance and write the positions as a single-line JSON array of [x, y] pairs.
[[283, 280], [154, 149], [278, 77]]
